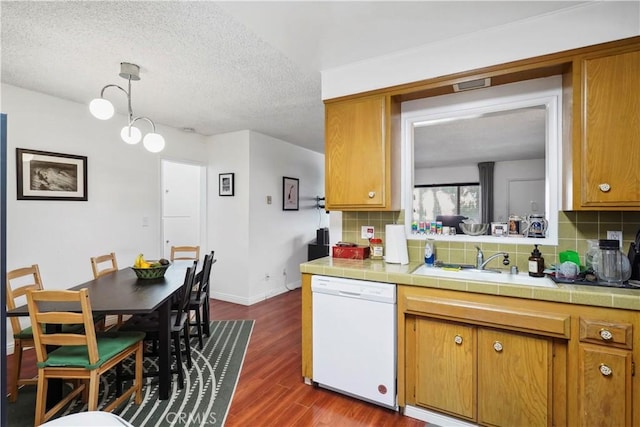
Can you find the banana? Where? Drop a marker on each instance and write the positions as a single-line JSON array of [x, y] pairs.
[[139, 261]]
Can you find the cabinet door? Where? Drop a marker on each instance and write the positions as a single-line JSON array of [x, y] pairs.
[[356, 153], [514, 379], [445, 354], [610, 152], [605, 386]]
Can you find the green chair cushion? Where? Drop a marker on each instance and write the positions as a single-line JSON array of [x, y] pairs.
[[109, 345]]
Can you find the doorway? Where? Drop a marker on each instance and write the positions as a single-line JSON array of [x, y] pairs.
[[183, 205]]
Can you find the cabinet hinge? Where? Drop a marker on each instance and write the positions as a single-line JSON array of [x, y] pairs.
[[633, 368]]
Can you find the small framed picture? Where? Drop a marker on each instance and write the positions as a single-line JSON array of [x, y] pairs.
[[499, 229], [290, 193], [43, 175], [225, 184]]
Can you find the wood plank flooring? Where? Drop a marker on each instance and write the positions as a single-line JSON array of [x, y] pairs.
[[271, 391]]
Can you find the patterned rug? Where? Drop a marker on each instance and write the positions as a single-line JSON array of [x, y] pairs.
[[204, 400]]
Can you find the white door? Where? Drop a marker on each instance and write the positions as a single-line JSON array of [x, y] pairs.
[[183, 201]]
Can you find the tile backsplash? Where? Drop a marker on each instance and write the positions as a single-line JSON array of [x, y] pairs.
[[574, 229]]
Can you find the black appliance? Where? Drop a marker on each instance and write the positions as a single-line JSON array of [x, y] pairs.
[[319, 248], [634, 257]]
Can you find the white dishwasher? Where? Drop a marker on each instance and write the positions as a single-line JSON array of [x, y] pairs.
[[354, 338]]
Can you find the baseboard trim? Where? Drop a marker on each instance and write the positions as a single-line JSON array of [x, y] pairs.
[[435, 417]]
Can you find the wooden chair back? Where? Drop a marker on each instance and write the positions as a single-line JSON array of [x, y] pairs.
[[54, 302], [19, 282], [97, 265], [185, 252]]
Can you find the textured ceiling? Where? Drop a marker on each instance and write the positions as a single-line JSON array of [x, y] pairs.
[[225, 66]]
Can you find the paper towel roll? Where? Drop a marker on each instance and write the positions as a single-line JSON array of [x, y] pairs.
[[396, 245]]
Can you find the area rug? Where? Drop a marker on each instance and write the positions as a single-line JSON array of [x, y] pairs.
[[204, 400]]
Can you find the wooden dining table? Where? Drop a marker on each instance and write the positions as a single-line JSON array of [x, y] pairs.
[[121, 292]]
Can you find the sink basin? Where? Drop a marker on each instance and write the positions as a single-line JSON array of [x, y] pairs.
[[493, 276]]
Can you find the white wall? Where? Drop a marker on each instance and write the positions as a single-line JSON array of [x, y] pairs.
[[582, 25], [254, 239], [123, 187]]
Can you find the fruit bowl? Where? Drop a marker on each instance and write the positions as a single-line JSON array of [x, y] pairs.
[[151, 272], [474, 229]]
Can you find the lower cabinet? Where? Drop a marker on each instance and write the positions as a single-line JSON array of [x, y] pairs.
[[506, 361], [605, 386], [465, 370]]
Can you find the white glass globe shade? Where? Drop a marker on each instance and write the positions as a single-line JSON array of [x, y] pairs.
[[153, 142], [131, 135], [101, 109]]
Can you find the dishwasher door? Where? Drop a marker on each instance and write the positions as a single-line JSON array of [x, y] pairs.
[[354, 338]]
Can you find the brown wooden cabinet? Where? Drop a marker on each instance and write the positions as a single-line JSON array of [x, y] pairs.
[[362, 154], [465, 369], [606, 128], [605, 370]]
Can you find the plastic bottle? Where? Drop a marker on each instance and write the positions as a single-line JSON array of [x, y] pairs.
[[536, 263], [430, 253]]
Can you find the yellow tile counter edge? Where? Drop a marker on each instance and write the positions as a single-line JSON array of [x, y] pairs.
[[379, 271]]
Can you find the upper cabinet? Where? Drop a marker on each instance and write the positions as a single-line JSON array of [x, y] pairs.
[[362, 154], [606, 130]]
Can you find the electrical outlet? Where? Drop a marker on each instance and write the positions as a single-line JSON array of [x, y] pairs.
[[366, 232], [615, 235]]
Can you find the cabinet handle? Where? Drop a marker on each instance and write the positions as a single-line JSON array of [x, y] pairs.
[[497, 346], [458, 339], [606, 335], [604, 187], [372, 194], [605, 370]]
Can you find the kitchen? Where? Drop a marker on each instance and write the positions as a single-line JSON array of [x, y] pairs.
[[566, 325], [350, 218]]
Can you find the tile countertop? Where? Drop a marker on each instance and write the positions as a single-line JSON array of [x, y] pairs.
[[379, 271]]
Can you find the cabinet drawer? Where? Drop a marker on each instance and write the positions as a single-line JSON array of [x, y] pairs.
[[601, 332]]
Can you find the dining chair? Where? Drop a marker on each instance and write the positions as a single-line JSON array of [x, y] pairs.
[[150, 325], [19, 282], [199, 301], [102, 265], [185, 252], [78, 356]]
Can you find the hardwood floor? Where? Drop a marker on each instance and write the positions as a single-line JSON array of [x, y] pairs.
[[271, 391]]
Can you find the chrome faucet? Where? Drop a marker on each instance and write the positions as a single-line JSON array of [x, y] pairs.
[[481, 262]]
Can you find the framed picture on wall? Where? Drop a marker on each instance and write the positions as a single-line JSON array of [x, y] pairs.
[[225, 184], [290, 193], [43, 175]]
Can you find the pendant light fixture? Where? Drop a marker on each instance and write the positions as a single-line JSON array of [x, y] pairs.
[[102, 109]]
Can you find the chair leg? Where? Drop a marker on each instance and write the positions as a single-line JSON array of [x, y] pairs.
[[119, 379], [206, 318], [178, 351], [139, 362], [41, 399], [187, 345], [17, 365], [199, 327], [94, 384]]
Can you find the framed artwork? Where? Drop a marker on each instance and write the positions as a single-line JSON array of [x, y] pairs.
[[50, 176], [225, 184], [290, 193]]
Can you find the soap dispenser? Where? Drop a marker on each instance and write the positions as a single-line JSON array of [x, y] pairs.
[[536, 263]]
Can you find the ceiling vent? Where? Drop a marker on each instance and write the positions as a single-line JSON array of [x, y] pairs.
[[472, 84]]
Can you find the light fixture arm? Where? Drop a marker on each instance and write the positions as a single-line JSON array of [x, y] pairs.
[[103, 109]]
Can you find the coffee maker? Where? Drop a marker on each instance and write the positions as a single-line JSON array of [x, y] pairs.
[[634, 257]]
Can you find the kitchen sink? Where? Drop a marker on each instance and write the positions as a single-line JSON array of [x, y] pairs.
[[449, 271]]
